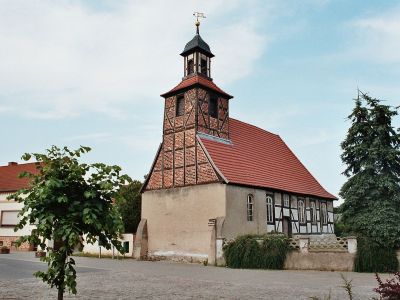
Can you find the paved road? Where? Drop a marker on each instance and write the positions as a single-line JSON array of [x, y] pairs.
[[129, 279]]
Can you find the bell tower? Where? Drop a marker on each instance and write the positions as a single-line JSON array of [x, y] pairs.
[[197, 55], [195, 108]]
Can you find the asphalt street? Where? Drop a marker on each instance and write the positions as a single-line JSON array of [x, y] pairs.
[[131, 279]]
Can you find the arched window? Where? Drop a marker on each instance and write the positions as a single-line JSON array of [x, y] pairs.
[[286, 201], [313, 212], [270, 209], [324, 213], [300, 207], [250, 207]]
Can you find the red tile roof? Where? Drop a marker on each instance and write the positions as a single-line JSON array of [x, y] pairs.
[[200, 80], [262, 159], [9, 181]]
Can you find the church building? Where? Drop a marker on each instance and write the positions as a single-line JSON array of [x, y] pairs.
[[215, 177]]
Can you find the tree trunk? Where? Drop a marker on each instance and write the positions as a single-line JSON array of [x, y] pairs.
[[60, 294]]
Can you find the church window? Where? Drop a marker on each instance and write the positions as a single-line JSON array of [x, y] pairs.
[[250, 207], [180, 106], [286, 200], [213, 107], [313, 212], [203, 66], [270, 209], [190, 67], [300, 207], [324, 213]]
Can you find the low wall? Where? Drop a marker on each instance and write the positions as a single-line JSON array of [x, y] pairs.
[[95, 248], [321, 261], [9, 241]]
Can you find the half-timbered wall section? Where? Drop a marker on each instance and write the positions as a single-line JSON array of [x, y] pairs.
[[217, 126], [181, 159]]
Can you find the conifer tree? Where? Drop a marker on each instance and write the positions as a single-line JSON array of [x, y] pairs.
[[371, 152]]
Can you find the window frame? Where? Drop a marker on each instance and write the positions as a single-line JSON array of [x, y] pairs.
[[288, 200], [301, 213], [324, 213], [313, 211], [250, 208], [1, 218], [180, 111], [270, 212], [213, 106]]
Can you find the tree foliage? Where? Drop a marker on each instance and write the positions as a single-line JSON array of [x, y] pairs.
[[67, 201], [128, 202], [371, 152]]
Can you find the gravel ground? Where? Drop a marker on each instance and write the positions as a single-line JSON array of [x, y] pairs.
[[129, 279]]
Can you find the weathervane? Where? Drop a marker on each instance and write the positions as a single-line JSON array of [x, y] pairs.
[[198, 15]]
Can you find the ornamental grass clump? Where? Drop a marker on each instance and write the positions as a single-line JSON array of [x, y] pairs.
[[257, 251], [372, 257]]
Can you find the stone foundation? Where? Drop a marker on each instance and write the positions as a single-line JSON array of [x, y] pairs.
[[10, 242]]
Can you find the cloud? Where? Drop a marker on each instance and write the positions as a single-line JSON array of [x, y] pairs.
[[69, 58], [377, 37]]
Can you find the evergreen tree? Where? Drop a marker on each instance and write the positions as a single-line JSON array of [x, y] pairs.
[[371, 152]]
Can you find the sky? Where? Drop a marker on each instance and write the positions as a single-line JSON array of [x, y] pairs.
[[90, 72]]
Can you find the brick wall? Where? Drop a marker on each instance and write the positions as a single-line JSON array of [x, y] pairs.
[[9, 241], [181, 160]]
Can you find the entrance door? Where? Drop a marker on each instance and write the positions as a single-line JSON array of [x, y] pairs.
[[287, 226]]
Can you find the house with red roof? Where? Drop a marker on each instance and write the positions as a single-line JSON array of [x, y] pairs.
[[215, 177], [9, 209]]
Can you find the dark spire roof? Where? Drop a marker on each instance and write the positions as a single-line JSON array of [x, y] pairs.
[[197, 43]]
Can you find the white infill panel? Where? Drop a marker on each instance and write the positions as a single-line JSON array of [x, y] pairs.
[[9, 218]]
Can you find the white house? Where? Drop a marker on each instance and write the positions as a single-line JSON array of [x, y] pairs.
[[9, 209]]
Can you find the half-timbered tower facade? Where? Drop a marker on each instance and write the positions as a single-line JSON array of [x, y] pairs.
[[212, 167]]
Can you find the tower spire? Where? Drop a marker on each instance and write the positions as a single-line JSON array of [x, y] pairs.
[[197, 23]]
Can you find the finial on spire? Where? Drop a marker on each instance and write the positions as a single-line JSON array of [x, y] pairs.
[[197, 23]]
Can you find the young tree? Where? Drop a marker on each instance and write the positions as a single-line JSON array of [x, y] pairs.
[[129, 201], [371, 152], [68, 201]]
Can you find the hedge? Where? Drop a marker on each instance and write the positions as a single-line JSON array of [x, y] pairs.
[[372, 257], [257, 251]]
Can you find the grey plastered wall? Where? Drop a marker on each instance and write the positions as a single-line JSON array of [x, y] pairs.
[[236, 212]]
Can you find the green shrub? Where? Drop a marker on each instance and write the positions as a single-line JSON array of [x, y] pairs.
[[257, 251], [372, 257]]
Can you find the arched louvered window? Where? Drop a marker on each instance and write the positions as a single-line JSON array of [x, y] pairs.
[[250, 207], [270, 209], [300, 207], [313, 212], [324, 213]]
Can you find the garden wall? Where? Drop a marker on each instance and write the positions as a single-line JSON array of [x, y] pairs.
[[321, 261]]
